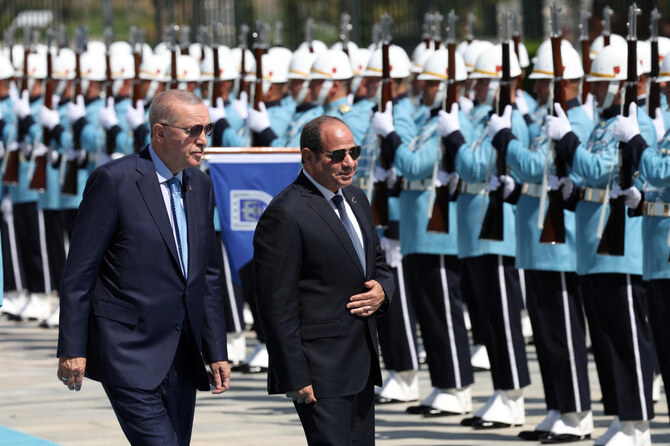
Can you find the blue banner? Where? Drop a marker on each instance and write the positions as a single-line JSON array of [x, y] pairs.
[[244, 185]]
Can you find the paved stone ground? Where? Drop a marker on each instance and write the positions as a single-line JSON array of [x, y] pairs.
[[33, 401]]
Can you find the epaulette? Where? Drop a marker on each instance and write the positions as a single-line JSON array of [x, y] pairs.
[[344, 108]]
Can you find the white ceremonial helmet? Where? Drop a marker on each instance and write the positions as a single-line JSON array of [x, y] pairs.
[[317, 46], [161, 48], [609, 66], [524, 61], [195, 51], [188, 70], [37, 66], [420, 54], [6, 68], [155, 69], [351, 46], [281, 53], [544, 63], [437, 65], [664, 70], [546, 43], [93, 68], [275, 70], [299, 68], [663, 48], [227, 68], [17, 58], [399, 64], [249, 63], [332, 65], [599, 43], [359, 61], [643, 57], [473, 51], [63, 68], [95, 46], [120, 47], [462, 47], [489, 64], [123, 67]]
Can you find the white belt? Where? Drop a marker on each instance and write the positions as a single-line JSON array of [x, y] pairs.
[[656, 209], [593, 194], [472, 188], [531, 189], [417, 185]]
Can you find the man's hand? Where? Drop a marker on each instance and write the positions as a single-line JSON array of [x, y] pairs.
[[219, 377], [367, 303], [626, 127], [304, 395], [448, 123], [71, 371]]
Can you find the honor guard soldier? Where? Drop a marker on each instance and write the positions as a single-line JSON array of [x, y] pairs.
[[614, 295], [553, 300], [496, 304], [360, 95]]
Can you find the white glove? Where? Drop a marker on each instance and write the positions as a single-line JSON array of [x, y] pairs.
[[558, 126], [553, 182], [13, 91], [382, 123], [53, 156], [505, 180], [625, 128], [40, 150], [55, 100], [76, 110], [497, 123], [107, 116], [217, 113], [659, 125], [207, 102], [76, 155], [135, 115], [26, 149], [520, 101], [48, 118], [258, 120], [241, 106], [22, 105], [448, 123], [566, 187], [465, 104], [632, 194], [7, 208], [12, 146], [452, 182], [588, 107]]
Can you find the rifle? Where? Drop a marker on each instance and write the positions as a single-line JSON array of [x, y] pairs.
[[216, 82], [377, 35], [69, 182], [516, 35], [260, 47], [109, 82], [553, 227], [380, 210], [428, 19], [184, 39], [244, 31], [437, 29], [137, 40], [585, 42], [345, 31], [654, 98], [469, 26], [172, 35], [309, 33], [439, 216], [11, 163], [279, 26], [39, 179], [607, 25], [614, 236], [492, 226]]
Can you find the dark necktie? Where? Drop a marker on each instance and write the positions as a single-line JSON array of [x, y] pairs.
[[179, 218], [339, 203]]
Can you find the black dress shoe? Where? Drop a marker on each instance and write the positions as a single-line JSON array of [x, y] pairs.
[[384, 400], [484, 425], [417, 410], [433, 412], [532, 435], [551, 438], [469, 421]]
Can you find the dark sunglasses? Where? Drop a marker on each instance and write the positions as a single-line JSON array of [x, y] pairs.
[[195, 130], [338, 156]]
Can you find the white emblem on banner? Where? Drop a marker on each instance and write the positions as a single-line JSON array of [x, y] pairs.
[[246, 207]]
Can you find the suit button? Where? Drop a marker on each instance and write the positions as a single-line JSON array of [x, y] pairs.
[[179, 326]]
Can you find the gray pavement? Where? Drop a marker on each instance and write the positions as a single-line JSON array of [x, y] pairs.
[[34, 402]]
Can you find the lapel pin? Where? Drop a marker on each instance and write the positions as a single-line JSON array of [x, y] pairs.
[[190, 189], [353, 199]]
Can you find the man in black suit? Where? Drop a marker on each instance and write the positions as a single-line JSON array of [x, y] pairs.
[[141, 304], [320, 282]]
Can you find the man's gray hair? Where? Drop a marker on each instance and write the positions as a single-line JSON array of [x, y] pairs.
[[165, 106]]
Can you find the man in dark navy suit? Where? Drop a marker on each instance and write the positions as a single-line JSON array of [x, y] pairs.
[[141, 304], [321, 280]]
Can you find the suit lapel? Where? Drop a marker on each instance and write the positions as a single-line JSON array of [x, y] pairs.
[[366, 229], [321, 206], [153, 198], [190, 206]]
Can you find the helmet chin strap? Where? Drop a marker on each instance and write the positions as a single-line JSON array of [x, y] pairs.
[[612, 89], [60, 87], [323, 93], [492, 92], [116, 86], [151, 91], [355, 83], [302, 94], [440, 97]]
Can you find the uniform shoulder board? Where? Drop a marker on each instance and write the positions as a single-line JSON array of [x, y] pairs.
[[345, 108]]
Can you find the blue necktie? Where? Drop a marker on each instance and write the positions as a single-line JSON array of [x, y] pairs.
[[339, 203], [179, 221]]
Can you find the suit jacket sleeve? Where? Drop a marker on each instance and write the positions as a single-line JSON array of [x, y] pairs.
[[214, 329], [277, 261], [93, 232]]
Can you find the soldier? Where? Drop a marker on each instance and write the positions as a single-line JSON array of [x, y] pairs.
[[553, 299], [614, 295], [496, 304]]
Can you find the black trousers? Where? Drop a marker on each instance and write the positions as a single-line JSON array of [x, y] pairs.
[[12, 259], [556, 314], [397, 329], [30, 237], [433, 283], [340, 421], [162, 416], [659, 317], [55, 241], [233, 299], [616, 309], [496, 295]]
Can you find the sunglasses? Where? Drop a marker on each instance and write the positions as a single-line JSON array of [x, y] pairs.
[[195, 130], [338, 156]]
